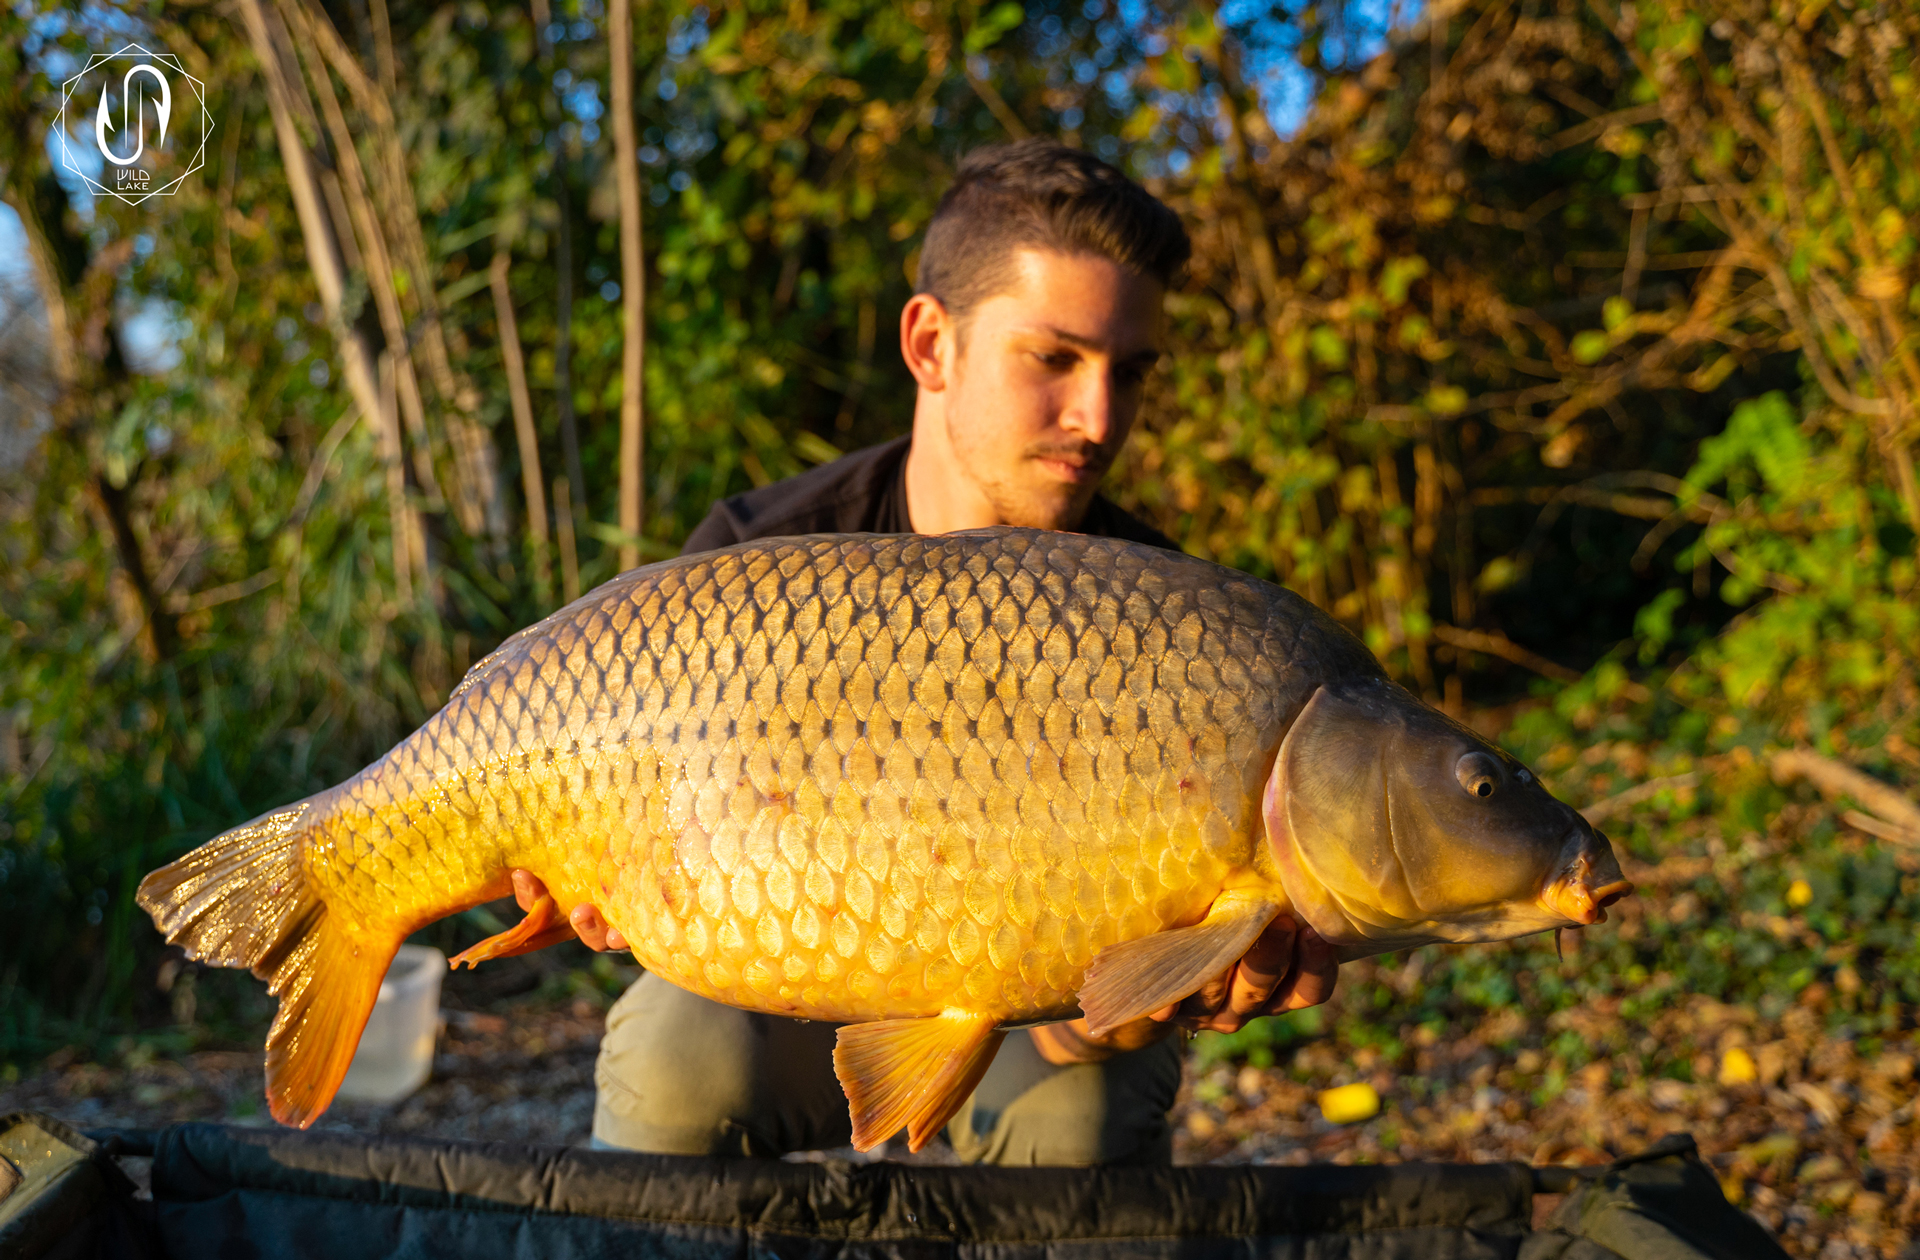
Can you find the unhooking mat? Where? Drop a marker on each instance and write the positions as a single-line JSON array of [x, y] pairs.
[[237, 1193]]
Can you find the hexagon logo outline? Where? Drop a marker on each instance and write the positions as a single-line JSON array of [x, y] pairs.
[[64, 132]]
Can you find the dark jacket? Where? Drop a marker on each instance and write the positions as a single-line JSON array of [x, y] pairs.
[[862, 493]]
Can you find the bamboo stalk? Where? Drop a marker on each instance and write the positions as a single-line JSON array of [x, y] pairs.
[[379, 271], [563, 351], [387, 442], [476, 497], [359, 358], [563, 279], [633, 279], [303, 502], [523, 430], [383, 47], [569, 556]]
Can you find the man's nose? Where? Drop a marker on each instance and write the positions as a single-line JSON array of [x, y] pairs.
[[1089, 412]]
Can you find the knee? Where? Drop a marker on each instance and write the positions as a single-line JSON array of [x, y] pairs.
[[1108, 1113], [670, 1080]]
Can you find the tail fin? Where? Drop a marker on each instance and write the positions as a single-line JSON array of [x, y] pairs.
[[242, 900]]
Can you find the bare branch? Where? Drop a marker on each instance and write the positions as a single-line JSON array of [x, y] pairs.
[[1836, 779], [1495, 644], [997, 105], [1607, 807]]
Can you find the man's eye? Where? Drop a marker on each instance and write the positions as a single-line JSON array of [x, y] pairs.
[[1131, 376], [1058, 359]]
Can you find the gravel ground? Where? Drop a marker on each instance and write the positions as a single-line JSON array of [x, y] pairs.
[[525, 1075], [1820, 1147]]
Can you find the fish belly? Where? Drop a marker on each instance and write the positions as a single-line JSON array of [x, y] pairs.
[[858, 777]]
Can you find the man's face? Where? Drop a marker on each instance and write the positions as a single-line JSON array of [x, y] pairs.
[[1046, 383]]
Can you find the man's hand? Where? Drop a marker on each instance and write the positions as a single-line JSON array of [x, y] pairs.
[[1288, 968], [585, 919]]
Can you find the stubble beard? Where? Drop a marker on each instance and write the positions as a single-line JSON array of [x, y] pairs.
[[1024, 495]]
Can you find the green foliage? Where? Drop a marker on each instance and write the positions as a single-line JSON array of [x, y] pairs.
[[996, 22], [1801, 523]]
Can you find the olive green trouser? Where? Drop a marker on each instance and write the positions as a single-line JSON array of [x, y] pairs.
[[682, 1075]]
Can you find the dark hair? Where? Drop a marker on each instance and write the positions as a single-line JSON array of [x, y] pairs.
[[1040, 194]]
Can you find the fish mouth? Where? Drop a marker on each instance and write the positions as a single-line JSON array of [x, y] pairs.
[[1587, 883]]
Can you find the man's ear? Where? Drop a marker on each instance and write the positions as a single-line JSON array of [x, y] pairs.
[[928, 341]]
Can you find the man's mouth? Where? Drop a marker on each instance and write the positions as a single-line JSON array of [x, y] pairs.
[[1075, 469]]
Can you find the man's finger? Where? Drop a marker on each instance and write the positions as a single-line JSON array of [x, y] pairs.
[[591, 928], [1246, 989], [1262, 968], [1316, 971], [1312, 972], [1198, 1010]]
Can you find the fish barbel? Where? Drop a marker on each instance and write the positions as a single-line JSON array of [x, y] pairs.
[[928, 787]]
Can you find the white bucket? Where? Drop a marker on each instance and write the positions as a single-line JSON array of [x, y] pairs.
[[396, 1050]]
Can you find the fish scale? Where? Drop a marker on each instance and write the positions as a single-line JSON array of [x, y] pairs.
[[854, 778], [927, 787]]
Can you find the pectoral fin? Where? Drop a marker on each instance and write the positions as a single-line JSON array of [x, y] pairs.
[[543, 926], [1136, 978], [911, 1073]]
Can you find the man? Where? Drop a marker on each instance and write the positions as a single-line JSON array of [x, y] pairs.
[[1037, 319]]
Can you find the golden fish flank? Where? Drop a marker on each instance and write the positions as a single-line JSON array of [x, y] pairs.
[[854, 779], [927, 787]]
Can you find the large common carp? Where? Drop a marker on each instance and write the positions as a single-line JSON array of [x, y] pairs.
[[929, 787]]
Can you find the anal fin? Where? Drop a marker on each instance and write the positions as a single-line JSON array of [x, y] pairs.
[[911, 1073], [543, 925], [1136, 978]]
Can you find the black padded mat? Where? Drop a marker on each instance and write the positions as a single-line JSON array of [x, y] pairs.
[[278, 1193]]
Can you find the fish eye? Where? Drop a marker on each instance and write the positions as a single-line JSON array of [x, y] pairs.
[[1478, 773]]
